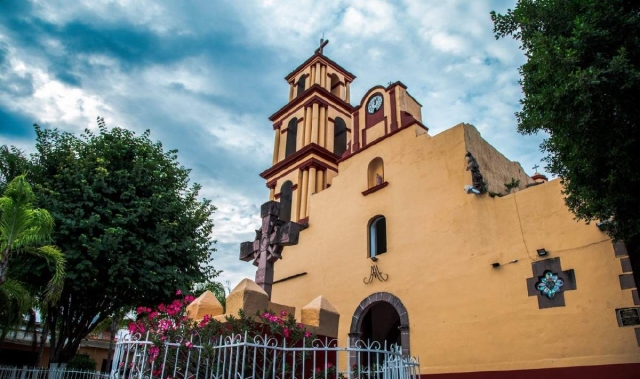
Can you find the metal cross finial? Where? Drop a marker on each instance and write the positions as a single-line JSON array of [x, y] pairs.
[[271, 238], [535, 167], [323, 43]]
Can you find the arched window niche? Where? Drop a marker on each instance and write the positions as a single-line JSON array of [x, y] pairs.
[[339, 136], [292, 137], [377, 236], [286, 196], [302, 84], [375, 176], [335, 85]]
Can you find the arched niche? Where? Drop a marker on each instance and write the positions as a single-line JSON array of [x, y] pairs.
[[286, 196], [368, 304], [375, 173], [335, 85], [339, 136], [302, 84], [292, 136]]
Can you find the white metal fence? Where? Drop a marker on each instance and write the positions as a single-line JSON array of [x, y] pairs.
[[243, 357], [8, 372]]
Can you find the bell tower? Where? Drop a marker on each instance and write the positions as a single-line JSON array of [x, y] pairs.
[[312, 132]]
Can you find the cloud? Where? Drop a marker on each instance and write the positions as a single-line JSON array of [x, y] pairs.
[[204, 76]]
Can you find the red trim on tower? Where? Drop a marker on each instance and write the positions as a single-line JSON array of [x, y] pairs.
[[407, 120], [327, 61], [308, 163], [394, 115], [312, 148], [304, 97], [356, 135]]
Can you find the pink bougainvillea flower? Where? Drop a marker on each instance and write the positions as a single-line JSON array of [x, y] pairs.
[[153, 315], [153, 353], [307, 334], [283, 313], [161, 308], [286, 333], [178, 293], [188, 344], [189, 299]]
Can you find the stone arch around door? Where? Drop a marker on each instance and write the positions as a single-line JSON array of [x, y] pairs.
[[355, 333]]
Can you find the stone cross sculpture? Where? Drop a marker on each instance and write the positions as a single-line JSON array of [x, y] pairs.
[[267, 248]]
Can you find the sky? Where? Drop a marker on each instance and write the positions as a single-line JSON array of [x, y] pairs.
[[204, 76]]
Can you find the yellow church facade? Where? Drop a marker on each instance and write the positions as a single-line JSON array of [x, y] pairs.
[[440, 243]]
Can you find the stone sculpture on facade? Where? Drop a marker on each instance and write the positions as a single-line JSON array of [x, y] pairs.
[[476, 177], [271, 238]]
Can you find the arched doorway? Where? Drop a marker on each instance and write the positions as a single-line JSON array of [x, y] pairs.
[[383, 318]]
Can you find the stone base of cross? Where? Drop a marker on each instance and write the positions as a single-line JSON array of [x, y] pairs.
[[271, 238]]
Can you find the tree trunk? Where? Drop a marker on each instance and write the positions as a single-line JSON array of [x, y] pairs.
[[114, 327], [43, 338]]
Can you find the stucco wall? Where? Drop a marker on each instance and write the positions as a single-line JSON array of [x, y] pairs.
[[495, 167], [464, 314]]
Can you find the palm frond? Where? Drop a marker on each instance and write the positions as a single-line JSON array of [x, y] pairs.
[[56, 260], [13, 291]]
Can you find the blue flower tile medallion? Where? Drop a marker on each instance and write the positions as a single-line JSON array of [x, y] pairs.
[[549, 284]]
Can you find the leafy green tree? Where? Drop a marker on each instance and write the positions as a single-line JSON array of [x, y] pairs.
[[132, 229], [24, 230], [13, 162], [581, 85]]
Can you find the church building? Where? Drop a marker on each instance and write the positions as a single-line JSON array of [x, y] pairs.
[[439, 243]]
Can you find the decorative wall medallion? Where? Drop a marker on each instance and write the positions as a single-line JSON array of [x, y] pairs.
[[375, 274], [549, 284]]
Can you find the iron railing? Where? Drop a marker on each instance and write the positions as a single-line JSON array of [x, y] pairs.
[[262, 357], [9, 372]]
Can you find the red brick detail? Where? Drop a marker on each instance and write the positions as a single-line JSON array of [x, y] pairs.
[[394, 115], [311, 162], [323, 59], [301, 100], [299, 155], [622, 371]]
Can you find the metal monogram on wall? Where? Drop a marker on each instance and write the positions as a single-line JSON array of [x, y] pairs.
[[375, 274]]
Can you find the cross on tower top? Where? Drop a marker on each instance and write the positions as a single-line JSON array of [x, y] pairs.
[[535, 167], [323, 43], [271, 238]]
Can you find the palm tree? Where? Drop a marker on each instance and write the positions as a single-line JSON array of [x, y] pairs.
[[25, 230]]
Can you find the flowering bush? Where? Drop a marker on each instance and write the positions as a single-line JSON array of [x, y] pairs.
[[174, 336]]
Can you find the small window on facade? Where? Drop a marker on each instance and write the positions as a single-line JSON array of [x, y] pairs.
[[285, 201], [375, 173], [377, 236], [339, 136], [292, 137], [302, 83]]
